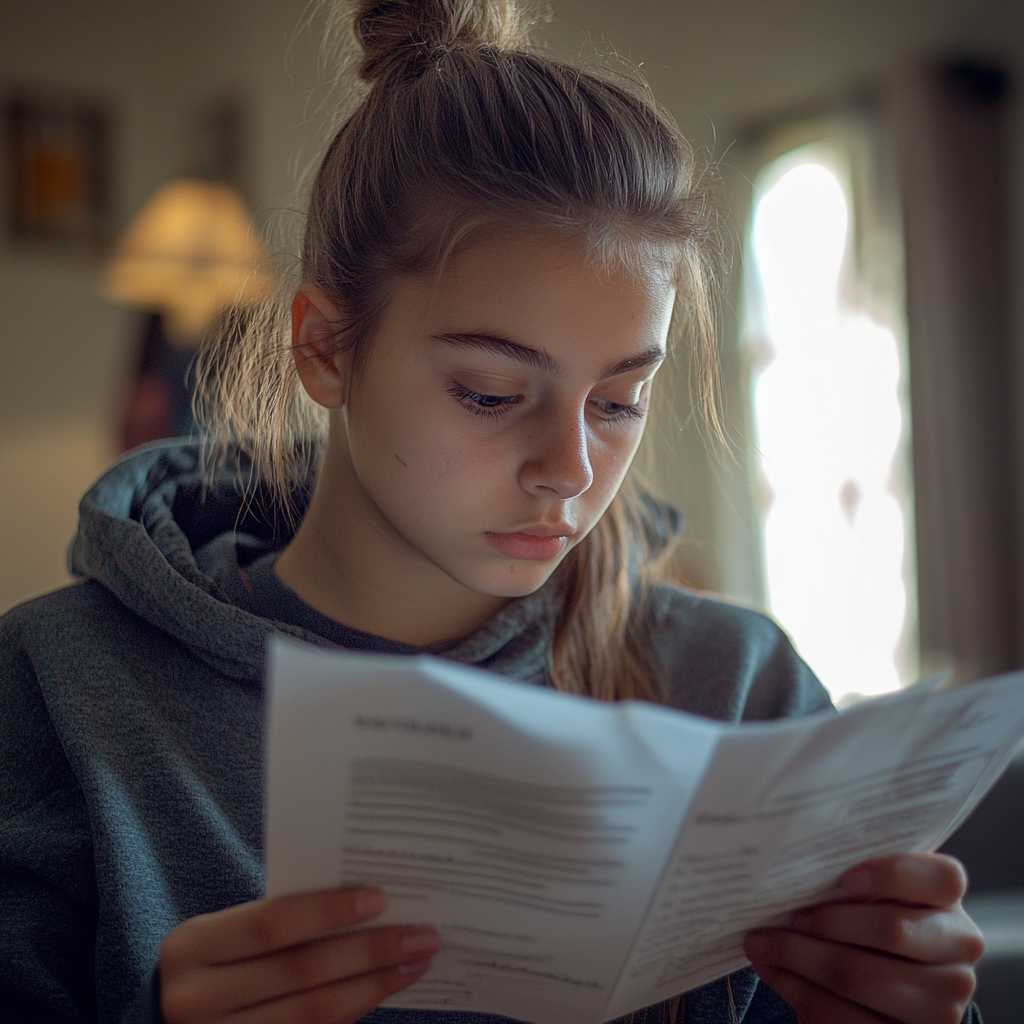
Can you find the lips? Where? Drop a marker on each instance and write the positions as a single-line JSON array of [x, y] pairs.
[[537, 543]]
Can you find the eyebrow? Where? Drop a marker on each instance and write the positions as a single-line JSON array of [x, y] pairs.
[[539, 359], [654, 354], [536, 358]]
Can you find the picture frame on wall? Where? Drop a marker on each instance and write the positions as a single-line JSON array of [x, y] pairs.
[[58, 175]]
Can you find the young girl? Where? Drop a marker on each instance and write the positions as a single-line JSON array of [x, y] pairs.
[[497, 251]]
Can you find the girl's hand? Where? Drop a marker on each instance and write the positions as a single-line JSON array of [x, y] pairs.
[[280, 960], [902, 950]]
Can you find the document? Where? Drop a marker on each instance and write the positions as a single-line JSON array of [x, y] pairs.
[[581, 859]]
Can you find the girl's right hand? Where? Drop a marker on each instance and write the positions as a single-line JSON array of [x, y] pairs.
[[281, 960]]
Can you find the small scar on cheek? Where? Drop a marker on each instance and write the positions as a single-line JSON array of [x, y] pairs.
[[400, 459]]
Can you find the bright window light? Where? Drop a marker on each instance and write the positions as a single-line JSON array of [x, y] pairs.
[[829, 418]]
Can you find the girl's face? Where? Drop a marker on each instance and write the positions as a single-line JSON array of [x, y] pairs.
[[497, 412]]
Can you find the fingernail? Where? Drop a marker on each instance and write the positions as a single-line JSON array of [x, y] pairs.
[[421, 942], [370, 903], [414, 966], [755, 945], [856, 881]]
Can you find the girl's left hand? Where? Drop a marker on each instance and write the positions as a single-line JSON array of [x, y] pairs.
[[902, 949]]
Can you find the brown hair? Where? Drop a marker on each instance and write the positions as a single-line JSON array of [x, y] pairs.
[[463, 126]]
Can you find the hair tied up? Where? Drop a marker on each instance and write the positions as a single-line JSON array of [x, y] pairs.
[[400, 34], [422, 167]]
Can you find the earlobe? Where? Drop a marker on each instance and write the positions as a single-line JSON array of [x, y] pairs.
[[322, 367]]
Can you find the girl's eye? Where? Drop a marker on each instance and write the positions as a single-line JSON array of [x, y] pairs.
[[483, 405], [618, 410]]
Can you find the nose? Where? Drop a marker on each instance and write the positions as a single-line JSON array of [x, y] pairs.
[[559, 465]]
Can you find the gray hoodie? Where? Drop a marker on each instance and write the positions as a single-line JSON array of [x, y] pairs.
[[130, 736]]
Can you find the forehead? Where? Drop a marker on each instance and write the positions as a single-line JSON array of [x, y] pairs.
[[546, 292]]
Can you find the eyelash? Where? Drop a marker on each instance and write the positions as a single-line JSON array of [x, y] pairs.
[[494, 406], [622, 411]]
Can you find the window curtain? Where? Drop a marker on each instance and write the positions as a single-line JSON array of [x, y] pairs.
[[949, 127]]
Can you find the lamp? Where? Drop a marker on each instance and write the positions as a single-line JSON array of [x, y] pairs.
[[189, 255]]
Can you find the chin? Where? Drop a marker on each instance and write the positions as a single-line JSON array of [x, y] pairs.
[[515, 579], [523, 590]]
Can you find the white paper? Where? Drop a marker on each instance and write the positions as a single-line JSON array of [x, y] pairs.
[[529, 827], [580, 859], [787, 807]]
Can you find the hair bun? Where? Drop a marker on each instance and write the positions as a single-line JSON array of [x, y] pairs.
[[399, 32]]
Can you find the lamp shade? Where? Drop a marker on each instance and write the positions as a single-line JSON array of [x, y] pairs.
[[190, 254]]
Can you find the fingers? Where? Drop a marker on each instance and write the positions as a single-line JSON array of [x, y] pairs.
[[340, 1003], [813, 1004], [910, 992], [923, 934], [284, 960], [925, 879], [246, 983], [902, 950], [252, 929]]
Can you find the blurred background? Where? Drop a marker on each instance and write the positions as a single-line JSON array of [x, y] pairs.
[[871, 154]]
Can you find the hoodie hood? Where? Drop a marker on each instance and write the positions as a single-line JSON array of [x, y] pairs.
[[172, 549], [131, 767]]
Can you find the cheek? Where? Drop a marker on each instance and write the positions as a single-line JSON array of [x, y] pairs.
[[425, 459], [611, 459], [423, 455]]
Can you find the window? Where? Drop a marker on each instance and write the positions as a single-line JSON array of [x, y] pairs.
[[831, 413]]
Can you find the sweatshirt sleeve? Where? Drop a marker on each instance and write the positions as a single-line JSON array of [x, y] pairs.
[[47, 881], [733, 663], [729, 662], [145, 1008]]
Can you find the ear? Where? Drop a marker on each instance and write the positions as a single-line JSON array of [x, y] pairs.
[[323, 370]]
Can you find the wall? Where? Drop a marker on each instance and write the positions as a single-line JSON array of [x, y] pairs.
[[723, 67], [719, 65], [64, 350]]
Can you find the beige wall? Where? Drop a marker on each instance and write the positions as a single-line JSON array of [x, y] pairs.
[[724, 66], [719, 65], [64, 350]]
